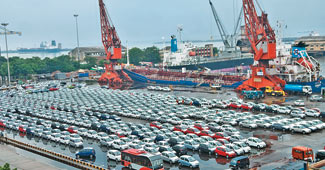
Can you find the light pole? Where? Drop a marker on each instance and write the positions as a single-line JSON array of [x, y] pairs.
[[165, 59], [8, 65], [78, 51]]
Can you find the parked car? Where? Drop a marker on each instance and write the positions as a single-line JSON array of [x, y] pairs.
[[169, 157], [320, 155], [256, 142], [315, 98], [240, 162], [224, 151], [206, 148], [300, 129], [299, 103], [180, 149], [86, 152], [76, 143], [188, 161], [114, 155], [297, 113]]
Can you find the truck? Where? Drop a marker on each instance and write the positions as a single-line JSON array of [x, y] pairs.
[[274, 91], [252, 94], [298, 89]]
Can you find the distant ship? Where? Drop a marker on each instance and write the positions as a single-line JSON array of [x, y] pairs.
[[44, 48], [192, 58]]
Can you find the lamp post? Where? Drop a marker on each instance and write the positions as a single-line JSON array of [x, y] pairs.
[[8, 65], [164, 53], [78, 51]]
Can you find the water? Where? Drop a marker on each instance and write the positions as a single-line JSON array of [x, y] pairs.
[[40, 54]]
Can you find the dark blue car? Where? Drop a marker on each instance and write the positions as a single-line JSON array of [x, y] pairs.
[[86, 153], [278, 126]]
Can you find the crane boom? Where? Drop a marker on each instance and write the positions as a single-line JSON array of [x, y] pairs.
[[259, 33], [114, 74], [223, 33]]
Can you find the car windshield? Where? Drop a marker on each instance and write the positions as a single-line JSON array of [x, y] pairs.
[[228, 150], [191, 159], [116, 153], [258, 140]]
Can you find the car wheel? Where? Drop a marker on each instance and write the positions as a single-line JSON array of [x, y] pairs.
[[303, 132], [216, 154], [91, 156], [227, 156], [78, 156], [258, 147], [191, 167], [170, 162], [116, 160]]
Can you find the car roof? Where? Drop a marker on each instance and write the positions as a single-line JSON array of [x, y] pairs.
[[240, 158]]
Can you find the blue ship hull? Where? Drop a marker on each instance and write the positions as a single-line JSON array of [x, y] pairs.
[[143, 79], [315, 85]]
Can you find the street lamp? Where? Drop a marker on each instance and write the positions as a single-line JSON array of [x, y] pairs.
[[76, 16], [5, 27]]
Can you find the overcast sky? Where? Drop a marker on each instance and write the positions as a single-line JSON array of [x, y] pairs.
[[144, 21]]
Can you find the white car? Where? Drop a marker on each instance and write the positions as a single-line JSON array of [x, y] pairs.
[[244, 146], [118, 144], [284, 110], [169, 157], [114, 155], [102, 135], [237, 149], [64, 139], [55, 137], [76, 143], [248, 124], [92, 134], [299, 103], [256, 142], [312, 113]]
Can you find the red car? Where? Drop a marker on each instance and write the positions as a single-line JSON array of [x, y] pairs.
[[192, 130], [221, 135], [206, 133], [235, 105], [2, 124], [53, 89], [156, 124], [200, 127], [223, 141], [179, 128], [22, 129], [224, 151], [120, 134], [72, 129], [246, 106]]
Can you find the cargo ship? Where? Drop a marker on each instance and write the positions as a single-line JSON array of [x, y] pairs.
[[190, 57], [295, 67], [45, 47]]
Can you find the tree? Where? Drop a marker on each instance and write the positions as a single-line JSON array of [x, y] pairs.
[[6, 167], [152, 55], [215, 51], [136, 55]]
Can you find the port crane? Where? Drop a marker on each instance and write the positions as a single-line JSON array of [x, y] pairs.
[[228, 40], [114, 75], [263, 43]]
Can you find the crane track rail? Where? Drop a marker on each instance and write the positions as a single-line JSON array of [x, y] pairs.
[[52, 155]]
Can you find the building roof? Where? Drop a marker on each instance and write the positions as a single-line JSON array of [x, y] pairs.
[[311, 38]]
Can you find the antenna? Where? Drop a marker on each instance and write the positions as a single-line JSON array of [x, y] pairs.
[[179, 30]]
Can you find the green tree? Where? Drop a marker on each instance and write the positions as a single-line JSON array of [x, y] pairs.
[[215, 51], [6, 167], [152, 55], [136, 55]]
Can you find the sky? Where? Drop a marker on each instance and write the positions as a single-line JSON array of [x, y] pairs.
[[144, 21]]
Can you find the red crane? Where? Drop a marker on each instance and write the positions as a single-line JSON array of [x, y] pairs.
[[114, 75], [263, 43]]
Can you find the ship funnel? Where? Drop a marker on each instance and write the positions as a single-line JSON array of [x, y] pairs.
[[173, 44]]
